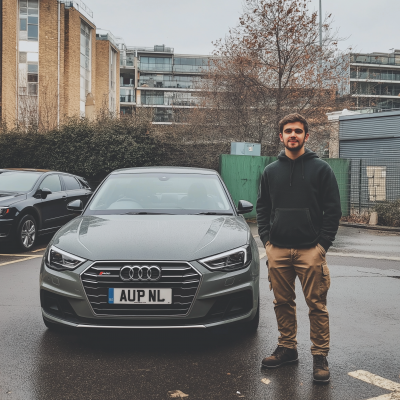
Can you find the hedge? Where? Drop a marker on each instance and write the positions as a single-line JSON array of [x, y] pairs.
[[87, 148]]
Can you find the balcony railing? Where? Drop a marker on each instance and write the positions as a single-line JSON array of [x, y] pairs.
[[191, 68], [78, 5], [156, 67], [375, 76], [127, 99], [375, 59], [106, 35], [155, 49]]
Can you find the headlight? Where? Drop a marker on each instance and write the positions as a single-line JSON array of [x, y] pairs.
[[61, 260], [229, 261], [4, 211]]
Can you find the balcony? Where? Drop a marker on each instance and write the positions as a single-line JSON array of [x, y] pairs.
[[156, 67], [375, 59], [198, 69], [127, 99], [155, 49], [376, 75]]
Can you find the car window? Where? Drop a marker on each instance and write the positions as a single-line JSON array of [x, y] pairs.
[[71, 183], [52, 183], [161, 193], [18, 181]]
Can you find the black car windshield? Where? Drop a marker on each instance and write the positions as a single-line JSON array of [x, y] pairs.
[[158, 193], [18, 181]]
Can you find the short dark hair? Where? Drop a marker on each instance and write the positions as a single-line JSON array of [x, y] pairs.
[[289, 119]]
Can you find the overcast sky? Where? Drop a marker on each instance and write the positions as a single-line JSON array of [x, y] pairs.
[[191, 25]]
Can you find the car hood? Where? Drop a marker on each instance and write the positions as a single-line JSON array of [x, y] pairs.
[[151, 237], [7, 199]]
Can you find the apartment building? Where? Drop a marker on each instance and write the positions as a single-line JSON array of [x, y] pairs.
[[375, 80], [52, 64], [157, 77]]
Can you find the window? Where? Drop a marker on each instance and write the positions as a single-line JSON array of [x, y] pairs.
[[52, 183], [85, 63], [70, 183]]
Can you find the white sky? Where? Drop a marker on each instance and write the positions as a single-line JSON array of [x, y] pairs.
[[191, 25]]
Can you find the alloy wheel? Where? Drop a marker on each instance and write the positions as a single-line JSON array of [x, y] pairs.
[[28, 234]]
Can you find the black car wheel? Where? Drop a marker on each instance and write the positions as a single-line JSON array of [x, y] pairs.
[[26, 233]]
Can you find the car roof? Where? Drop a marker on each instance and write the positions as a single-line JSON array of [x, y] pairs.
[[166, 170], [26, 170]]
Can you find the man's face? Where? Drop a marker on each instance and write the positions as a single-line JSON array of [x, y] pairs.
[[293, 136]]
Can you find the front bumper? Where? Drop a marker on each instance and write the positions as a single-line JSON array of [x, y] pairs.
[[5, 229], [221, 298]]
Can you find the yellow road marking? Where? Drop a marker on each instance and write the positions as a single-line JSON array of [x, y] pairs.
[[17, 261], [35, 251], [376, 380], [18, 255]]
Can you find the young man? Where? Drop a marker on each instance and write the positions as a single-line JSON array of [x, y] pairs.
[[298, 213]]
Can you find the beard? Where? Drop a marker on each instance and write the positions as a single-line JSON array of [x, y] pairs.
[[293, 147]]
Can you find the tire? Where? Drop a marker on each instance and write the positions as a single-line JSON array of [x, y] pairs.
[[26, 234], [252, 326]]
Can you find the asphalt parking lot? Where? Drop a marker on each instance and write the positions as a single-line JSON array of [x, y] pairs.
[[364, 305]]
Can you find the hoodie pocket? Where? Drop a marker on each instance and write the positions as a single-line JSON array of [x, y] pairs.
[[292, 227]]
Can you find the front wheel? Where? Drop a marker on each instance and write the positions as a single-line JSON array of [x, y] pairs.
[[26, 233]]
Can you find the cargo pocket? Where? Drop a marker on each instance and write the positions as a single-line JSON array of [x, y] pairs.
[[325, 281], [269, 277]]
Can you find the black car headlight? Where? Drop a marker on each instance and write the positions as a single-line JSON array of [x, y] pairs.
[[61, 260], [230, 260]]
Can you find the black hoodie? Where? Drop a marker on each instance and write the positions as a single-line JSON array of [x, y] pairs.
[[298, 202]]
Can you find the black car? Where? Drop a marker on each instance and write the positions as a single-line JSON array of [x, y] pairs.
[[34, 202]]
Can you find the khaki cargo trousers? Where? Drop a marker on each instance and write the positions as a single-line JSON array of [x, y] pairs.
[[311, 268]]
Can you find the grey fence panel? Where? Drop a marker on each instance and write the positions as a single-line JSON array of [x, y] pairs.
[[370, 148]]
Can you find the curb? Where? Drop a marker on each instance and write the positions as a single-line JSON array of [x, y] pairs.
[[371, 227]]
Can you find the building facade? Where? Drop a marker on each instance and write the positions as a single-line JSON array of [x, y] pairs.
[[156, 77], [375, 80], [52, 64]]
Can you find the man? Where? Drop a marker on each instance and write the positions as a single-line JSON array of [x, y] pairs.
[[298, 213]]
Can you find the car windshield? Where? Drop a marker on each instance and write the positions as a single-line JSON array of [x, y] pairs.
[[158, 193], [18, 181]]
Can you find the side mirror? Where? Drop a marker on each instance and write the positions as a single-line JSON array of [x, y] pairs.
[[244, 207], [45, 192], [76, 206]]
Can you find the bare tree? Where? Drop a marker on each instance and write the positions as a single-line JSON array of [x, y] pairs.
[[270, 65]]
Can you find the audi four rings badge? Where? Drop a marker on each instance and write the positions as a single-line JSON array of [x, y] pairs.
[[140, 273]]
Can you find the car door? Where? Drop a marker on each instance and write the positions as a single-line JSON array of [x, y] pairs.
[[75, 191], [53, 208]]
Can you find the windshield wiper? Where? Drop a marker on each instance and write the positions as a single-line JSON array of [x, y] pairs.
[[145, 213], [212, 213]]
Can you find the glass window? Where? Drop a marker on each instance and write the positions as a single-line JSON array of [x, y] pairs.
[[22, 57], [32, 89], [23, 3], [33, 68], [33, 32], [18, 181], [33, 78], [52, 183], [163, 193], [33, 20], [23, 24], [70, 182]]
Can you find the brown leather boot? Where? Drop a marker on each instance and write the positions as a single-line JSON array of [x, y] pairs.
[[321, 369], [282, 355]]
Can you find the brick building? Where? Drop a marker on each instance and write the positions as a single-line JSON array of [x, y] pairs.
[[52, 65]]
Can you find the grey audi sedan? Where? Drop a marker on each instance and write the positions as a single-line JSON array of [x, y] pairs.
[[155, 247]]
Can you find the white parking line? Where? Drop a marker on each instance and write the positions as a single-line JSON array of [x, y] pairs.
[[371, 256], [376, 380], [17, 261]]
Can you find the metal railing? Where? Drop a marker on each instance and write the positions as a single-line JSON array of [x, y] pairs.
[[79, 5], [155, 49], [375, 59]]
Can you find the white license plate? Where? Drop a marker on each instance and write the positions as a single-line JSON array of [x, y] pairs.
[[139, 296]]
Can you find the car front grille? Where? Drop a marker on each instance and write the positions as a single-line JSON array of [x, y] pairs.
[[181, 277]]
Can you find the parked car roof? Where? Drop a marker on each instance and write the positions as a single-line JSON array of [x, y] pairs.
[[172, 170]]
